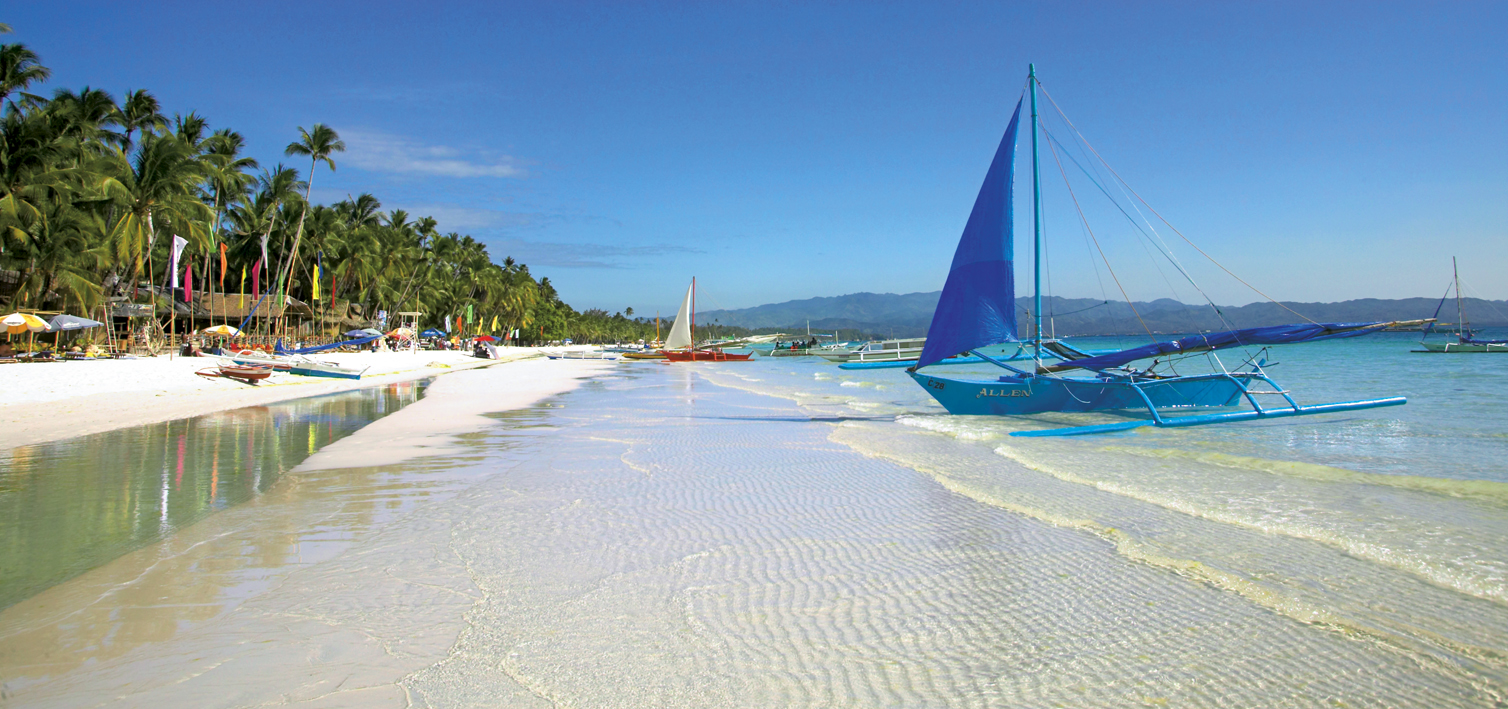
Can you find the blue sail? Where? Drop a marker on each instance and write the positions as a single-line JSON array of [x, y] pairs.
[[978, 304]]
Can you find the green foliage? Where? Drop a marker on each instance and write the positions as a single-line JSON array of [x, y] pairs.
[[93, 191]]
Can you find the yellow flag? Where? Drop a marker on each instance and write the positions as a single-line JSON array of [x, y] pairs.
[[316, 281], [243, 285], [494, 325]]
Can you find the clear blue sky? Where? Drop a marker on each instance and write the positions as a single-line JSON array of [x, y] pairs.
[[1323, 151]]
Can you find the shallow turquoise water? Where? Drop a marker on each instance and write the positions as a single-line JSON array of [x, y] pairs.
[[71, 505], [781, 532]]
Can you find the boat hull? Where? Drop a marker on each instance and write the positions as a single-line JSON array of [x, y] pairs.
[[643, 355], [1018, 396], [329, 372], [1461, 348], [247, 374], [257, 359], [703, 356]]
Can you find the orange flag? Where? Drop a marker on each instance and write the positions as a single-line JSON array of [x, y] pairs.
[[223, 266]]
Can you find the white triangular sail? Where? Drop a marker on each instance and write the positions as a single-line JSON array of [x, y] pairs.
[[680, 332]]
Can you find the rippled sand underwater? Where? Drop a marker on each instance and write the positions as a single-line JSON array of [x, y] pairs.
[[782, 533]]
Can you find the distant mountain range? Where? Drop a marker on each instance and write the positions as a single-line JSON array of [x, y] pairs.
[[908, 315]]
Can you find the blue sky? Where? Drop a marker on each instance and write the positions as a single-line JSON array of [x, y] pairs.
[[790, 150]]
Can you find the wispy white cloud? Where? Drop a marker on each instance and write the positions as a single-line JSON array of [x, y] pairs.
[[384, 152]]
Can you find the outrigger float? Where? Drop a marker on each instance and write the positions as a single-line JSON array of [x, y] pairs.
[[978, 309]]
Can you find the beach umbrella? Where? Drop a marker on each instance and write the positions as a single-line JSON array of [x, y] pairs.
[[17, 323], [359, 333], [224, 330], [369, 331], [432, 333], [70, 322], [486, 338], [401, 332]]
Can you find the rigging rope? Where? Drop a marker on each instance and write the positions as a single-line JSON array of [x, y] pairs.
[[1159, 216], [1085, 220], [1162, 248]]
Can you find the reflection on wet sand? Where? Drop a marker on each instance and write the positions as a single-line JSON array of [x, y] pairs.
[[69, 506], [156, 593]]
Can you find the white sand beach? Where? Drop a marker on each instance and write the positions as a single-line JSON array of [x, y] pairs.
[[684, 536], [51, 401]]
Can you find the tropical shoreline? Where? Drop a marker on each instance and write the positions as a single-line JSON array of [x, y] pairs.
[[49, 402]]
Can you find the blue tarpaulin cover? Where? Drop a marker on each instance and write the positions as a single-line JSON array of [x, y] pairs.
[[1273, 335], [978, 303]]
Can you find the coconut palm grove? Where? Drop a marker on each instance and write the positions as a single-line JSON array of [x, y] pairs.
[[111, 206]]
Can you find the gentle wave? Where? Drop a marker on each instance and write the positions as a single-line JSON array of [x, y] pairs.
[[1486, 586], [1485, 490], [1134, 549]]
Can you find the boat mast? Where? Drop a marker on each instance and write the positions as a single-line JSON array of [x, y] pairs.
[[1460, 309], [693, 312], [1031, 79]]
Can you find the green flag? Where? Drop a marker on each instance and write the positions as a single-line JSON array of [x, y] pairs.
[[468, 315]]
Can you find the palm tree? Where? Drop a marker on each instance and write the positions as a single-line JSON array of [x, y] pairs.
[[162, 192], [227, 179], [19, 68], [317, 144], [86, 118], [140, 112]]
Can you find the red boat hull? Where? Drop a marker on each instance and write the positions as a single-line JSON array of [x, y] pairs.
[[249, 375], [703, 356]]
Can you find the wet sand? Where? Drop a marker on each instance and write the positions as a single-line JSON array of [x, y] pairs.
[[656, 540]]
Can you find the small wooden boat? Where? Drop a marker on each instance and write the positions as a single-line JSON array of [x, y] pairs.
[[304, 366], [678, 347], [583, 354], [293, 364], [248, 374], [644, 355], [907, 350], [704, 356], [257, 358]]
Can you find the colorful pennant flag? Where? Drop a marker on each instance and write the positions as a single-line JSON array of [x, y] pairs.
[[178, 244]]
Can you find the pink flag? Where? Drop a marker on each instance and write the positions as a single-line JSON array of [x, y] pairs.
[[188, 284], [256, 279]]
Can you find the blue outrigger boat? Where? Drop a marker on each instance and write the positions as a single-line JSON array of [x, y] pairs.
[[978, 309]]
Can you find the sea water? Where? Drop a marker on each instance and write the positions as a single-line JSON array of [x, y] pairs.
[[1386, 525], [781, 532], [68, 506]]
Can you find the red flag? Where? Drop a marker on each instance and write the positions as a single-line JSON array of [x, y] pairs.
[[256, 279], [188, 283], [224, 266]]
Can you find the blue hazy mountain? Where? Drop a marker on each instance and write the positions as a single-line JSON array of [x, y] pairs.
[[909, 314]]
